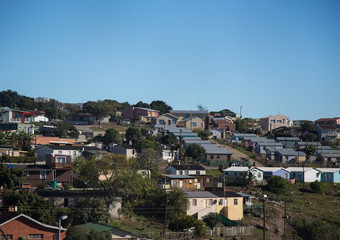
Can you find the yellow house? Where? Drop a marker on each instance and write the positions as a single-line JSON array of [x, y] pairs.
[[228, 204]]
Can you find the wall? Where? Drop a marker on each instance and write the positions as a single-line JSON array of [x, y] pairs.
[[234, 212], [24, 227]]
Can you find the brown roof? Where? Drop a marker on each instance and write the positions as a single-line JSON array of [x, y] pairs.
[[40, 140], [327, 126]]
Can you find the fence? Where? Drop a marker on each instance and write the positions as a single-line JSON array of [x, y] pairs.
[[232, 231]]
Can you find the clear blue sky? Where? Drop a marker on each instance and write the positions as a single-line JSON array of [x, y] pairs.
[[268, 56]]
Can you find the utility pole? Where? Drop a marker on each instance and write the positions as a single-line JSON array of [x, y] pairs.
[[285, 219], [241, 112], [264, 219], [303, 179]]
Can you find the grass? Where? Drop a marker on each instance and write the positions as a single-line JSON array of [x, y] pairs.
[[249, 154], [214, 172], [103, 127]]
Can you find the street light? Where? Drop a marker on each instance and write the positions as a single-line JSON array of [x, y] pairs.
[[61, 218]]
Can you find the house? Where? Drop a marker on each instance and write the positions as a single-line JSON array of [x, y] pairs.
[[176, 131], [116, 233], [186, 170], [331, 175], [272, 122], [9, 151], [305, 174], [169, 155], [217, 134], [188, 141], [69, 198], [183, 182], [328, 121], [192, 123], [8, 115], [327, 132], [23, 127], [288, 155], [303, 145], [275, 171], [237, 137], [247, 203], [67, 150], [38, 141], [260, 148], [37, 174], [40, 118], [288, 142], [127, 150], [21, 226], [228, 204], [136, 113], [328, 155], [219, 155], [233, 173], [253, 141], [166, 119]]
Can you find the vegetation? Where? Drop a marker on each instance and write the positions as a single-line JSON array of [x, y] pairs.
[[11, 178], [195, 151], [64, 130], [212, 219], [111, 136], [79, 232], [317, 187], [315, 230], [90, 210], [203, 134], [277, 185]]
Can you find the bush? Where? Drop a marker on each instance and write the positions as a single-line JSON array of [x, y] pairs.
[[317, 187], [277, 185], [212, 219], [66, 186], [22, 159], [315, 230]]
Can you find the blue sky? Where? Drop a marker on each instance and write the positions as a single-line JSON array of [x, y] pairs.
[[269, 57]]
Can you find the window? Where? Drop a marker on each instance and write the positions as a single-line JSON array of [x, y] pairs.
[[65, 202], [35, 236], [161, 122], [208, 180], [226, 202], [272, 121], [198, 172], [193, 124], [60, 152], [259, 175], [279, 121], [211, 201], [27, 173], [42, 174], [218, 156], [8, 236], [201, 125], [235, 201], [60, 160], [211, 156], [194, 202], [220, 202]]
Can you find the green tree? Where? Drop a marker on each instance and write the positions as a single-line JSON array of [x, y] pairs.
[[64, 129], [307, 126], [142, 105], [195, 151], [149, 159], [30, 204], [90, 210], [112, 136], [277, 185], [76, 233], [212, 219], [241, 125], [249, 177], [316, 230], [203, 134], [11, 178], [310, 149], [317, 187], [99, 109], [169, 140], [161, 106], [177, 201], [133, 134], [55, 113]]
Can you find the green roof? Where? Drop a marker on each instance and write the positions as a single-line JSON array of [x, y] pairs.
[[98, 227]]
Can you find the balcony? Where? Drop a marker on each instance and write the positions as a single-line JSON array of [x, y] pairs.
[[61, 165]]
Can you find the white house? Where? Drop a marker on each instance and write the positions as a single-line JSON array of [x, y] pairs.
[[239, 172], [306, 174], [186, 170], [169, 155], [40, 118], [201, 203]]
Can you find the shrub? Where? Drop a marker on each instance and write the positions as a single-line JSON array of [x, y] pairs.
[[317, 187], [212, 219]]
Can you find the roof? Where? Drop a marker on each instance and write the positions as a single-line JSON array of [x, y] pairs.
[[245, 195], [300, 169], [147, 109], [200, 194], [214, 149], [197, 141], [244, 135], [187, 167], [290, 152], [188, 112], [327, 126], [288, 139], [225, 194], [58, 147], [125, 146], [11, 216], [326, 119], [191, 118], [308, 143], [270, 169], [270, 144], [46, 140], [174, 176], [169, 116], [329, 170], [236, 169]]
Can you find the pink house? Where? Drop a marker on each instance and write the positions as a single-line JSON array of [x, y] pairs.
[[138, 113]]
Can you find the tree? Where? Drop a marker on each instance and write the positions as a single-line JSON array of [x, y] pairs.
[[241, 125], [168, 140], [317, 187], [142, 105], [161, 106], [64, 129], [178, 203], [195, 151], [30, 204], [200, 107], [315, 230], [90, 210], [212, 219], [277, 185], [307, 126], [133, 134], [310, 149], [112, 136], [203, 134], [99, 109], [11, 178], [228, 112], [149, 159], [249, 176]]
